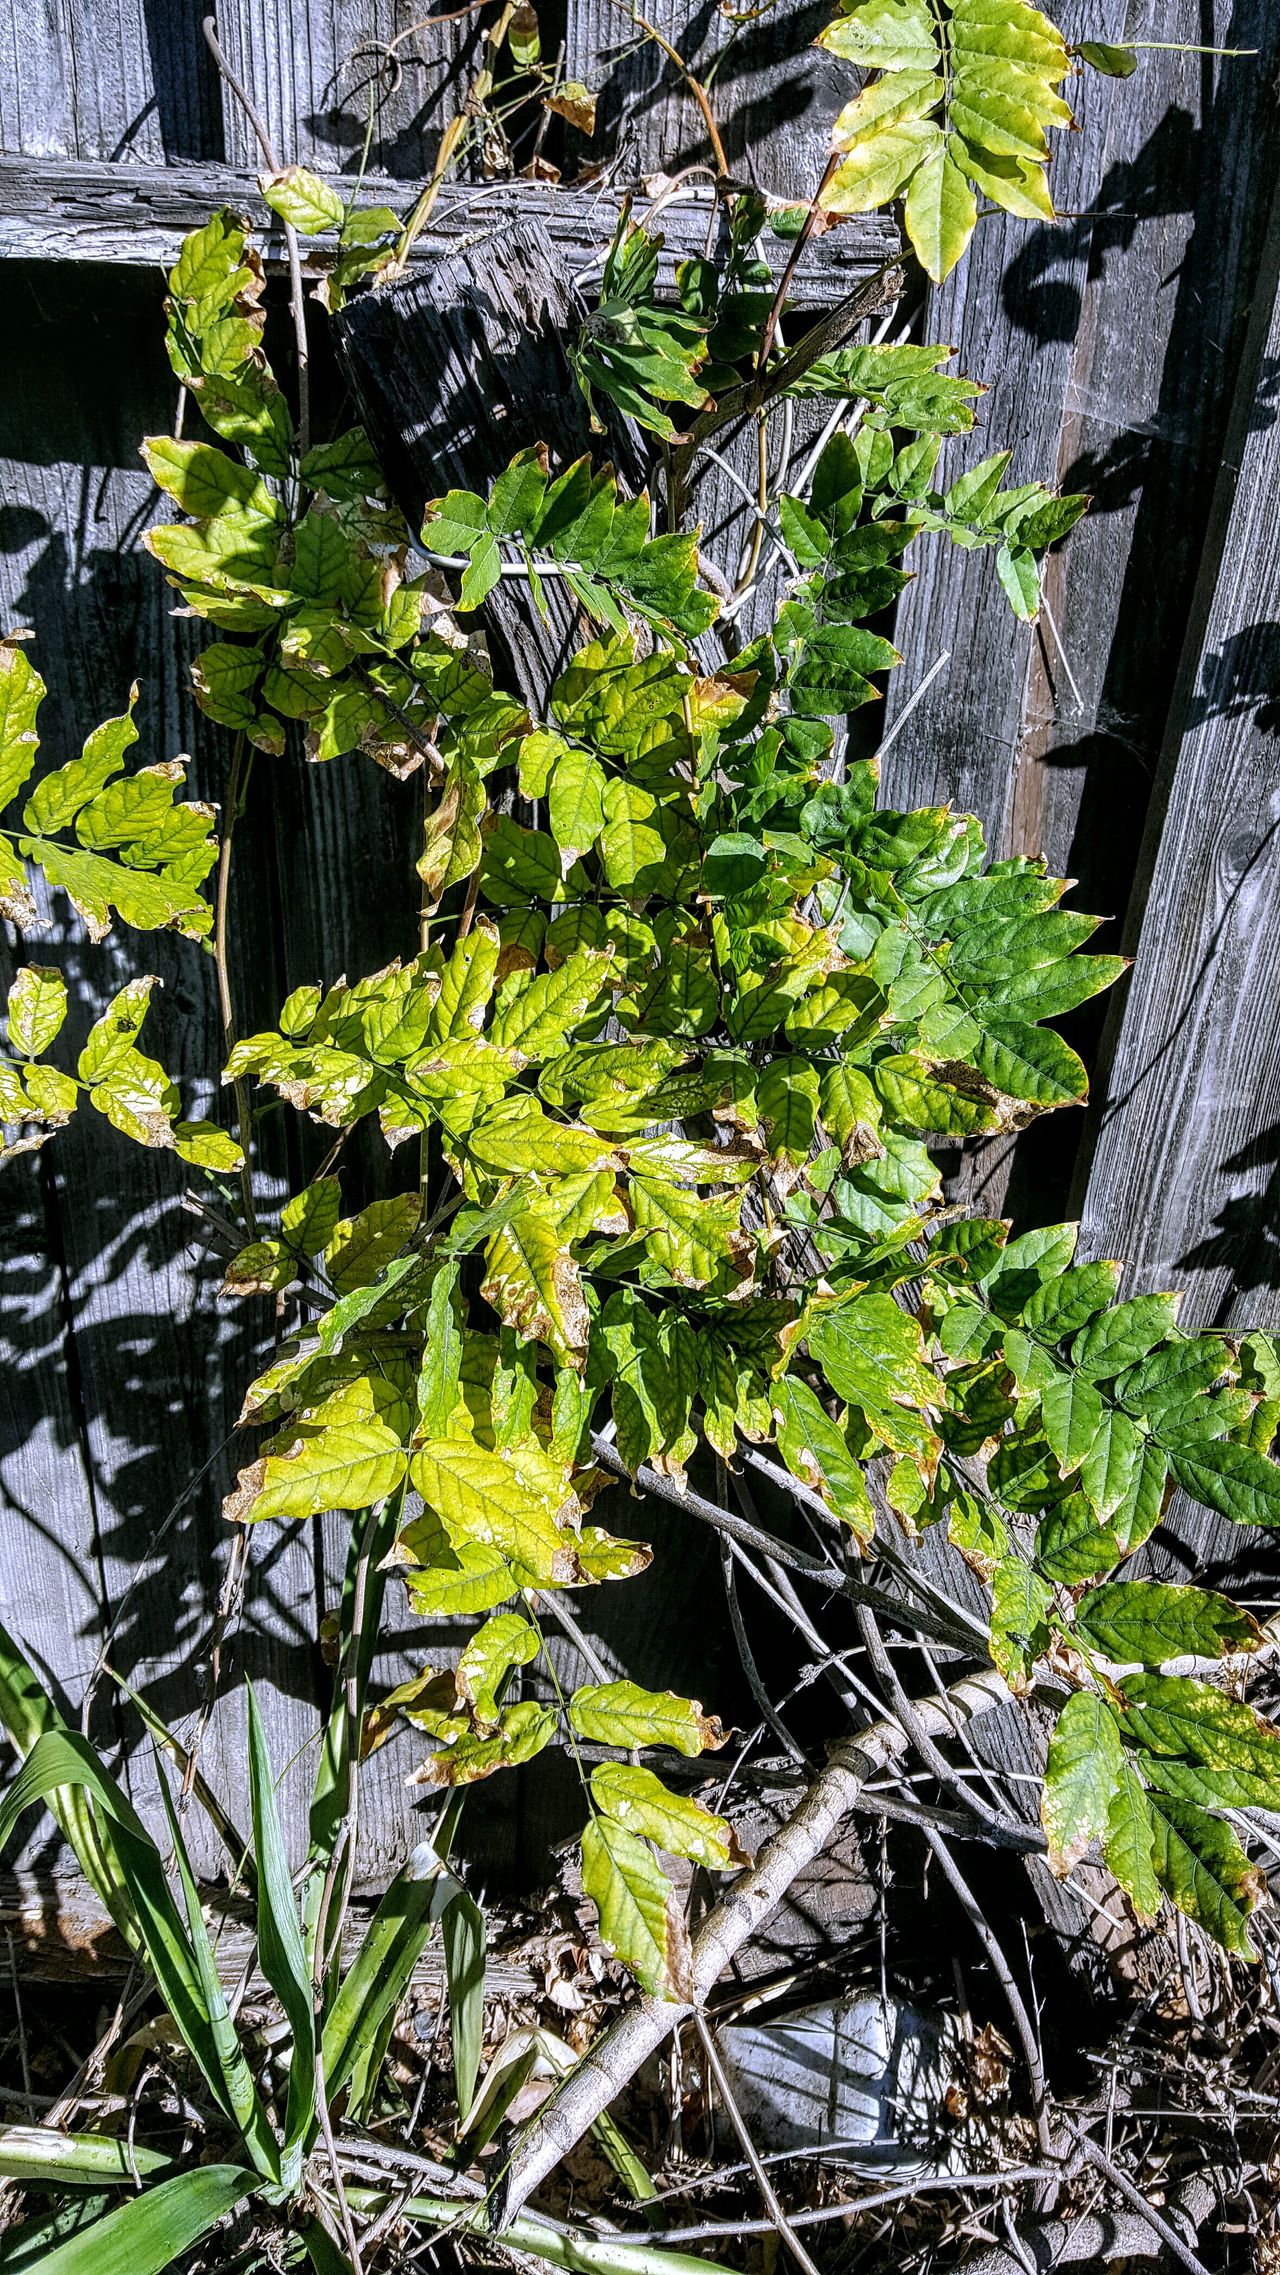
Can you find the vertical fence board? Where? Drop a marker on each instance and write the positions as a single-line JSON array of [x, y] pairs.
[[1111, 341], [158, 1367], [773, 94], [1183, 1179], [316, 72], [129, 80]]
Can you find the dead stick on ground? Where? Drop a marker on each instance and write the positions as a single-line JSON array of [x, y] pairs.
[[752, 1900]]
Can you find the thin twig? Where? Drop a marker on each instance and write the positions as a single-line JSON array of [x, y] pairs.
[[952, 1630], [296, 301], [1135, 2199], [909, 1716], [777, 2216], [237, 781], [692, 82], [1004, 1974], [732, 1923]]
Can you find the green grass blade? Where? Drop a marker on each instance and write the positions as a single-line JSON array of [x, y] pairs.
[[463, 1930], [240, 2096], [322, 2251], [62, 1758], [371, 1537], [28, 1713], [379, 1975], [32, 2152], [149, 2232], [281, 1951]]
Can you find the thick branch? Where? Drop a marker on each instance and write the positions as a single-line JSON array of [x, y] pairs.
[[750, 1902]]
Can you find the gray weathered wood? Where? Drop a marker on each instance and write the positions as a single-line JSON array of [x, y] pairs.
[[137, 216], [1105, 380], [774, 95], [1184, 1148], [107, 79], [318, 74]]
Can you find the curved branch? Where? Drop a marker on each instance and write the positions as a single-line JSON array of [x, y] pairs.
[[752, 1900]]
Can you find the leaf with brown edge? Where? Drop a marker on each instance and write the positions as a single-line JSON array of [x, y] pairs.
[[521, 1731], [344, 1467], [512, 1499], [504, 1642], [575, 104], [625, 1714], [641, 1918], [532, 1281], [637, 1799], [1081, 1775]]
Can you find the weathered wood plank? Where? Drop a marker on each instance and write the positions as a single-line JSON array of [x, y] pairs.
[[138, 216], [1182, 1148], [1184, 1145], [107, 79], [324, 76], [772, 92], [156, 1366], [1102, 379], [456, 370]]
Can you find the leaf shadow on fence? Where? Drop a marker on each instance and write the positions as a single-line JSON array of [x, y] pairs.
[[1161, 475]]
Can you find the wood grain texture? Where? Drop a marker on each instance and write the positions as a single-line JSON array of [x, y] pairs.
[[1181, 1165], [133, 1370], [137, 216], [1184, 1147], [316, 74], [108, 79], [773, 93], [1104, 379]]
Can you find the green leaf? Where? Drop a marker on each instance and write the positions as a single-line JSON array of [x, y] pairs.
[[1149, 1622], [1019, 580], [886, 35], [509, 1499], [641, 1917], [346, 1466], [1180, 1721], [502, 1643], [207, 481], [360, 1247], [638, 1800], [1110, 1466], [37, 1009], [1201, 1865], [302, 199], [1072, 1415], [1233, 1479], [1118, 1338], [941, 214], [22, 691], [1082, 1774], [150, 2231], [1112, 61], [281, 1951], [1020, 1601], [817, 1451], [1061, 1305], [534, 1017], [532, 1281], [623, 1714], [1129, 1842]]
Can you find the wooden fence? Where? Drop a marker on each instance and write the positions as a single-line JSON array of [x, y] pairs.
[[1132, 351]]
